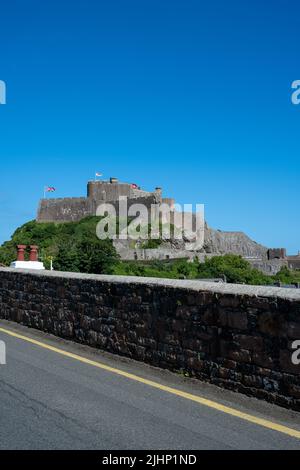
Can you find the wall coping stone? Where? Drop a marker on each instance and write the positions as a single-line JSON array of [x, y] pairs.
[[194, 285]]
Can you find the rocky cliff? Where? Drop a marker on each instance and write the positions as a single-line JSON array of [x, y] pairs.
[[219, 242]]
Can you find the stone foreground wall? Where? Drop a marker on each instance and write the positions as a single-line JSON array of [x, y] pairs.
[[234, 336]]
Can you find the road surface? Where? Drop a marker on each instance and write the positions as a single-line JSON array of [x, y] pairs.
[[53, 395]]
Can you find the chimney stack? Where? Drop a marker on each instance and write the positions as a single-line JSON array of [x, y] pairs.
[[33, 253], [33, 262], [21, 252]]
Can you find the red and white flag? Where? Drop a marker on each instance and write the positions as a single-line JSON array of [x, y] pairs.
[[98, 174]]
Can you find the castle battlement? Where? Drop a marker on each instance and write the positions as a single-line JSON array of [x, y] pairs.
[[72, 209]]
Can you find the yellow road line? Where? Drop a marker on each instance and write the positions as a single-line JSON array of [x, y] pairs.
[[188, 396]]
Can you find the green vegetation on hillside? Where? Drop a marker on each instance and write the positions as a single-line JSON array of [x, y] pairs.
[[286, 276], [75, 247], [233, 267]]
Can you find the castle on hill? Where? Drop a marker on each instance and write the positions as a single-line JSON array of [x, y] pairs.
[[74, 209], [216, 242]]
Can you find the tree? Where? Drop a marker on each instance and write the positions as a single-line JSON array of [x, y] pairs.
[[235, 268], [66, 258], [73, 246], [96, 256]]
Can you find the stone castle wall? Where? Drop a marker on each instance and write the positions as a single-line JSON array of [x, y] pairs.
[[98, 192], [268, 267], [65, 209], [102, 191], [234, 336]]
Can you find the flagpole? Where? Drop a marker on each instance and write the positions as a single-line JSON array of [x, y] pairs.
[[44, 192]]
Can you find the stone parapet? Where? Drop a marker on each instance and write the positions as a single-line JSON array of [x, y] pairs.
[[235, 336]]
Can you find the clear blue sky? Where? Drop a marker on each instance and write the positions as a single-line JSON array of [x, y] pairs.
[[190, 95]]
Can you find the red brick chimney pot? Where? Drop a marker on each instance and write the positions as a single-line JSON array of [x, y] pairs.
[[21, 250], [33, 253]]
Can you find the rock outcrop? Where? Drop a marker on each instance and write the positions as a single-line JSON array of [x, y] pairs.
[[219, 242]]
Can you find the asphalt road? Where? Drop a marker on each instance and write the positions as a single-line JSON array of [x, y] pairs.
[[50, 401]]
